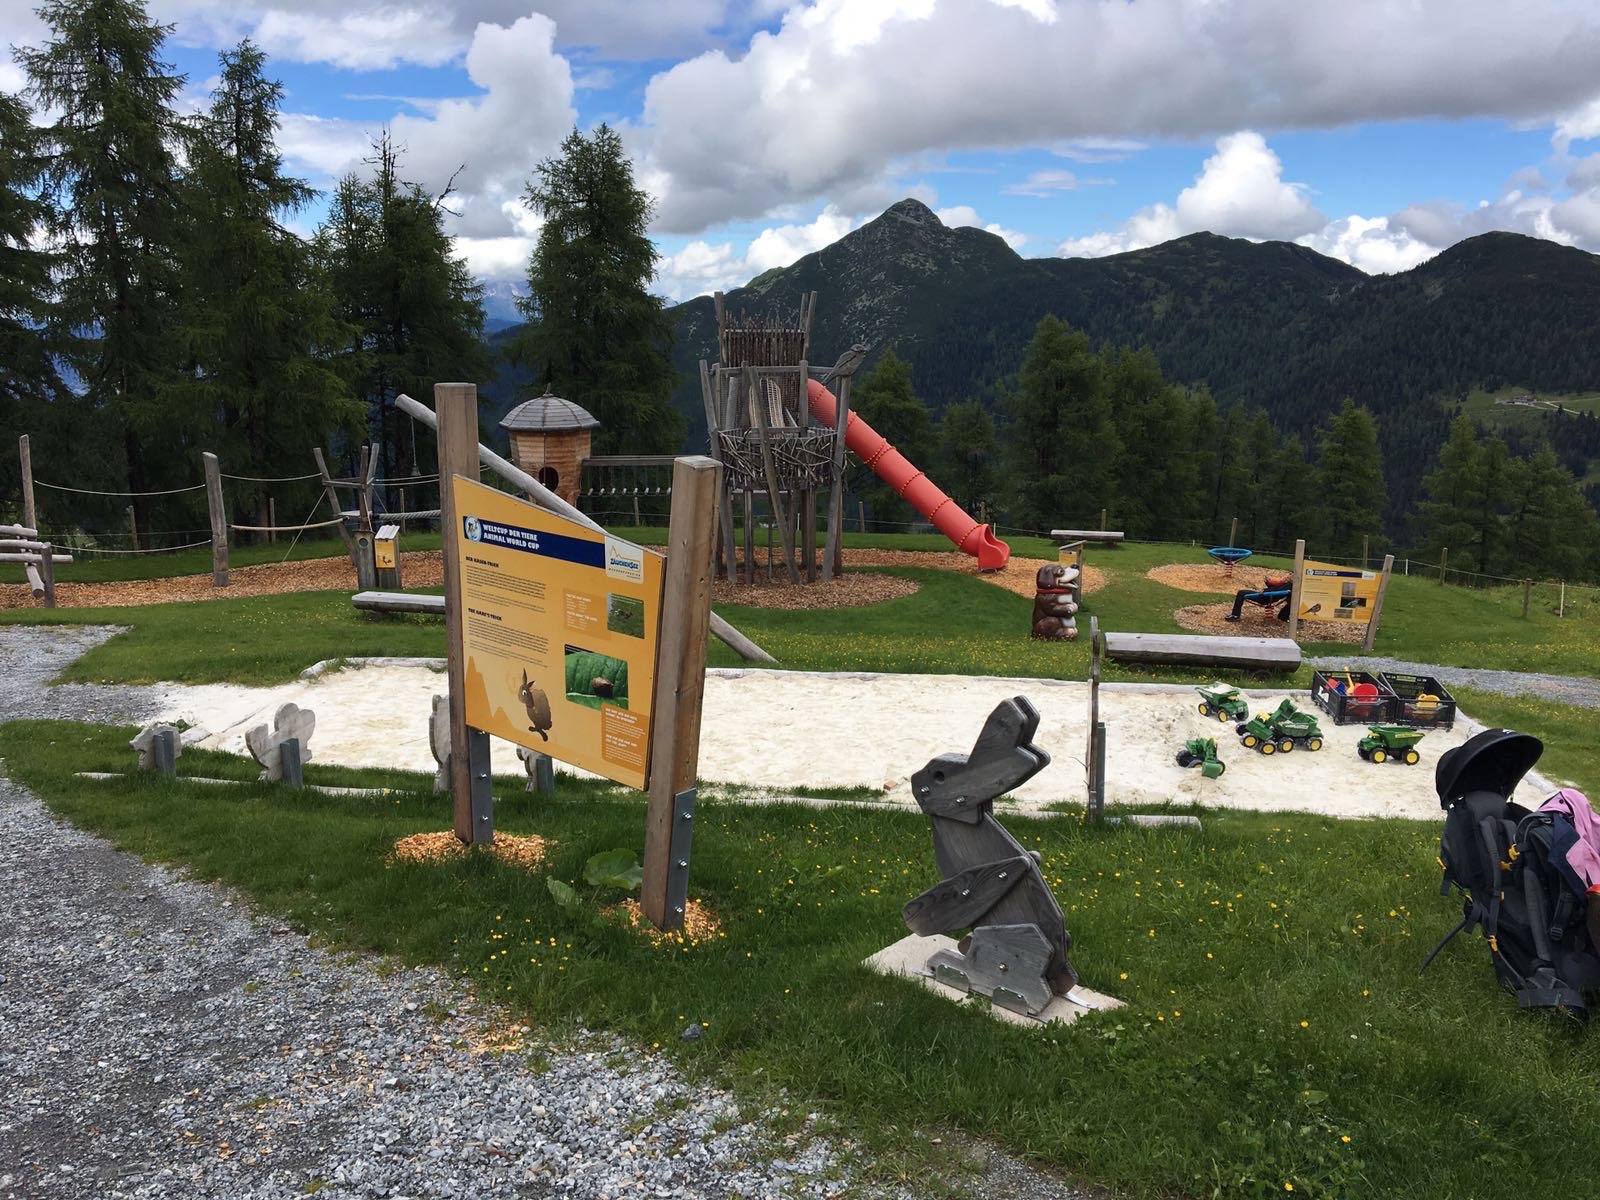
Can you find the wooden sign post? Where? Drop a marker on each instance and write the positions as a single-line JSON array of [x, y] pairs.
[[457, 407], [1377, 607], [1294, 588], [679, 689]]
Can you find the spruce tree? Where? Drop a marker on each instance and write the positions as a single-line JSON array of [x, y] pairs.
[[884, 399], [967, 455], [256, 320], [1350, 481], [1154, 475], [1454, 491], [110, 175], [28, 379], [595, 334], [416, 311], [1059, 438]]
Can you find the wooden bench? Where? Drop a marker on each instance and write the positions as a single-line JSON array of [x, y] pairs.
[[1198, 650], [400, 602], [1109, 537]]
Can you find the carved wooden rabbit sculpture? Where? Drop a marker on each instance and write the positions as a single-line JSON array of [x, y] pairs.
[[538, 706]]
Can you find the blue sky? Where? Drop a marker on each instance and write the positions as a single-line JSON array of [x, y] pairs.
[[1379, 131]]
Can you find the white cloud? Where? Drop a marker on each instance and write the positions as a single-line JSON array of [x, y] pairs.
[[1240, 192], [843, 92], [498, 137], [1049, 181], [1098, 149], [965, 214], [701, 266]]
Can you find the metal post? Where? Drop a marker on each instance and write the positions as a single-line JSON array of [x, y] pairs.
[[289, 764]]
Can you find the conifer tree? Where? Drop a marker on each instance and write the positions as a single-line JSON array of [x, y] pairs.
[[595, 334], [28, 379], [1454, 490], [256, 319], [110, 175], [884, 399], [1154, 476], [1350, 481], [1060, 440], [967, 454], [416, 311]]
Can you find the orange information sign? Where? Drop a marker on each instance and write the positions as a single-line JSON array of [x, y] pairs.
[[559, 629], [1334, 593]]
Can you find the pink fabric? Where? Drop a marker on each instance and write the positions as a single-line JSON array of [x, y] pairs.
[[1584, 858]]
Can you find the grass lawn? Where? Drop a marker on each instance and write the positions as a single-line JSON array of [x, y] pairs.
[[1277, 1034]]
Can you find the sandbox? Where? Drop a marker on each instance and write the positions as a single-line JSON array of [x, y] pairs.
[[874, 730]]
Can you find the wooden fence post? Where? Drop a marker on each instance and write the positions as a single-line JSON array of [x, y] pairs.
[[1294, 589], [679, 687], [30, 516], [1377, 605], [1527, 595], [272, 520], [47, 574], [1444, 557], [219, 521], [1102, 519], [1233, 532], [1365, 557], [456, 405]]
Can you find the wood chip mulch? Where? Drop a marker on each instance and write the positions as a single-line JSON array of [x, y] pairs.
[[852, 590], [700, 924], [1260, 622], [512, 849], [1207, 577]]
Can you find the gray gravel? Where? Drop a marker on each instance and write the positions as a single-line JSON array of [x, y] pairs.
[[157, 1039], [1564, 689]]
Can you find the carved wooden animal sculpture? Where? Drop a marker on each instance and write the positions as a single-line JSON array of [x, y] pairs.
[[1016, 953], [1054, 608], [538, 706], [602, 687]]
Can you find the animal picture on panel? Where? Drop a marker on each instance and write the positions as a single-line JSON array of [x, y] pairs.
[[538, 706]]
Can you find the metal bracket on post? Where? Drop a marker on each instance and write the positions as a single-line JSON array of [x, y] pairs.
[[678, 853], [164, 751], [289, 758], [482, 785]]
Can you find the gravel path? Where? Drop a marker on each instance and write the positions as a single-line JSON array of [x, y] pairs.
[[159, 1040], [1564, 689]]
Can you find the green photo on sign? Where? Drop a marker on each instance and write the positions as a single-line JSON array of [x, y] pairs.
[[625, 615], [594, 679]]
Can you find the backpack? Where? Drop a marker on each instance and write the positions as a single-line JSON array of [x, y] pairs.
[[1504, 858]]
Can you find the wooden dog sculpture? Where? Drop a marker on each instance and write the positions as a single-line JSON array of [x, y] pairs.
[[1055, 604]]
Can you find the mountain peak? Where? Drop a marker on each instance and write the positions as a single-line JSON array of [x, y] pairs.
[[913, 211]]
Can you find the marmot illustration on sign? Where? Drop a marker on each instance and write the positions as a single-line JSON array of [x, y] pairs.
[[1053, 607], [602, 687], [538, 706]]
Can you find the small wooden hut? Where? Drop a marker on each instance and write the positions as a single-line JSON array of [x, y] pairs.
[[551, 440]]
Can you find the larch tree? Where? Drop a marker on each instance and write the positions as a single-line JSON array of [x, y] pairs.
[[109, 173], [1455, 491], [884, 399], [595, 334], [256, 321], [968, 454], [1350, 480]]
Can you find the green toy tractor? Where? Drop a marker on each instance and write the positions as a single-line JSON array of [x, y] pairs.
[[1280, 731], [1222, 702], [1202, 753], [1390, 743]]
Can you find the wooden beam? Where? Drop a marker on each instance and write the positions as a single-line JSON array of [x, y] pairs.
[[1295, 587], [457, 408], [758, 406], [33, 556], [333, 500], [680, 676], [30, 515], [1261, 654], [219, 521], [1377, 605], [35, 581]]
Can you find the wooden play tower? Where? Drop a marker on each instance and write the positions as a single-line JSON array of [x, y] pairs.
[[778, 460]]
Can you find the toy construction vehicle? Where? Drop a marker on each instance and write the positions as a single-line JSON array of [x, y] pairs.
[[1281, 730], [1222, 702], [1390, 743], [1202, 753]]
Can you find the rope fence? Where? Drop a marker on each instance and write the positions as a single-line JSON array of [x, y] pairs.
[[285, 528], [55, 487], [271, 478]]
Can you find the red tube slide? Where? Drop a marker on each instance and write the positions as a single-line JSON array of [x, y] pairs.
[[914, 487]]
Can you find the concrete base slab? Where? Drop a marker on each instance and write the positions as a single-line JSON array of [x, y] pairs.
[[909, 957]]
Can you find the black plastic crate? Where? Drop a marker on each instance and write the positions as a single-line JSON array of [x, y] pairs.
[[1419, 700], [1329, 693]]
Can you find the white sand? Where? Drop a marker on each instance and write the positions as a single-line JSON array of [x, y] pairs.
[[776, 730]]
